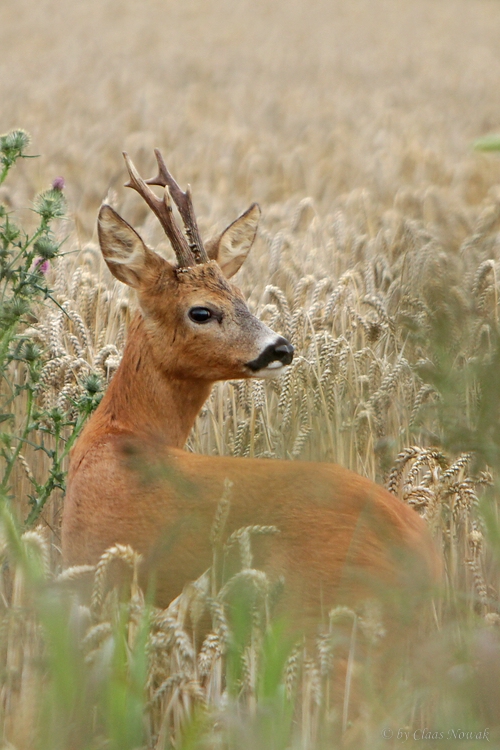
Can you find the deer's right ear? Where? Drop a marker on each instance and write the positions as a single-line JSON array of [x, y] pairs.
[[125, 253]]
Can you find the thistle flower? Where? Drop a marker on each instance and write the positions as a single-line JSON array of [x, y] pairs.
[[46, 248], [50, 204], [13, 144], [41, 265]]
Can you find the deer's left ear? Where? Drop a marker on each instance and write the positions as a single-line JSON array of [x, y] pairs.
[[233, 245]]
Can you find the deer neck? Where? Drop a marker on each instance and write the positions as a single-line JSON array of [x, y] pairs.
[[144, 401]]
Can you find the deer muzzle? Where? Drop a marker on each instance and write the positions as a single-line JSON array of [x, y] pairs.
[[274, 357]]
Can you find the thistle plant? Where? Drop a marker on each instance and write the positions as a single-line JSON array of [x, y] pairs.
[[25, 261]]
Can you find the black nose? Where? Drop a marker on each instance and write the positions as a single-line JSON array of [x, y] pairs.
[[280, 351], [283, 352]]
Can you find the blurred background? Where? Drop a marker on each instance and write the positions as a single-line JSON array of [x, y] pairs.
[[254, 100]]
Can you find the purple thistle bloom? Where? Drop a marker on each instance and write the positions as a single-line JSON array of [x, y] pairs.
[[58, 183], [40, 265]]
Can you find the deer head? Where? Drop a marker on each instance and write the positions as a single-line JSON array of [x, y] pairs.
[[197, 322]]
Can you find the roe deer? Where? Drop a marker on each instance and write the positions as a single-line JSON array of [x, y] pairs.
[[341, 535]]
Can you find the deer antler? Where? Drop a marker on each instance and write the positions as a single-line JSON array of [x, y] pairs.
[[184, 204], [163, 210]]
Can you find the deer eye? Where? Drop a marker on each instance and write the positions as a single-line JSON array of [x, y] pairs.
[[200, 314]]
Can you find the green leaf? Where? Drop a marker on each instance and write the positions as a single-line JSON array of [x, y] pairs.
[[487, 143]]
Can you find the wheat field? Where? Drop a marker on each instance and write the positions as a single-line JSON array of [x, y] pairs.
[[351, 124]]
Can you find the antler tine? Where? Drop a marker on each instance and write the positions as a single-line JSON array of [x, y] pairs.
[[184, 204], [163, 210]]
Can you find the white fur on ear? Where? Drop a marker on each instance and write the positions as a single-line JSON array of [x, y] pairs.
[[123, 250], [233, 246]]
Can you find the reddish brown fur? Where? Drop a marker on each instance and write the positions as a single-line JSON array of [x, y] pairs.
[[341, 538]]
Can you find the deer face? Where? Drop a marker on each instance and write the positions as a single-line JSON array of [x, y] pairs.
[[197, 320]]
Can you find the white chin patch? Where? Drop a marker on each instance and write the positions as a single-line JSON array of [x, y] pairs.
[[273, 370]]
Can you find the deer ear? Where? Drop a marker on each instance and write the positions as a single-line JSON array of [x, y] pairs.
[[125, 253], [233, 246]]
